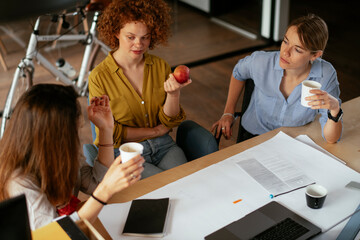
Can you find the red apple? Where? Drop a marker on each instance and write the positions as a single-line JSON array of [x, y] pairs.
[[181, 73]]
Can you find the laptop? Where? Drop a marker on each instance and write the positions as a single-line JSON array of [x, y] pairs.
[[14, 220], [272, 221]]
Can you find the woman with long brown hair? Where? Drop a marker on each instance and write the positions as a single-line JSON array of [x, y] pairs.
[[40, 155]]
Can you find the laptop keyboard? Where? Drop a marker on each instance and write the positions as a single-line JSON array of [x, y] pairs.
[[287, 229]]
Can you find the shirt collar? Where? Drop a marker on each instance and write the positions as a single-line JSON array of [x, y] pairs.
[[148, 59], [315, 72], [111, 63], [277, 62], [316, 69]]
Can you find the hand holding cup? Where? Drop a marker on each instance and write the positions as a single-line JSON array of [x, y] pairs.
[[130, 150], [308, 85]]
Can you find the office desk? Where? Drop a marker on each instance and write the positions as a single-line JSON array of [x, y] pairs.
[[348, 149]]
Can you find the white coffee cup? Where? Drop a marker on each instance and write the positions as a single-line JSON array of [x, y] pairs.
[[308, 85], [130, 150]]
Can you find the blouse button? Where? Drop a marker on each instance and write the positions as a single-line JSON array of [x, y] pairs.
[[146, 115], [142, 102]]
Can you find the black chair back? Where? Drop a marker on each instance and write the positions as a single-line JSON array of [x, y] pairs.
[[242, 133], [249, 88]]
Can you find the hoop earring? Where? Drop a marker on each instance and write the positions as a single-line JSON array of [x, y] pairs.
[[311, 62]]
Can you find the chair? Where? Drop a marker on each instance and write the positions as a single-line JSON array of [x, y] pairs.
[[249, 88], [195, 140], [242, 133]]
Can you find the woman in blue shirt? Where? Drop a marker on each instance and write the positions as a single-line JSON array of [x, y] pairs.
[[276, 99]]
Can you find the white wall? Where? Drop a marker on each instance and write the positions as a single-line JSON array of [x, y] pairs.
[[203, 5], [281, 18]]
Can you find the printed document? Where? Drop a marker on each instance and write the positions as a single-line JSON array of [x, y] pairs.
[[275, 174]]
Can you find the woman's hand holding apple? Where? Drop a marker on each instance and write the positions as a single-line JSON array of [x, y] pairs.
[[172, 86], [182, 74]]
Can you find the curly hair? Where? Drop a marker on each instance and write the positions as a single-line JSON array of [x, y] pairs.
[[155, 14]]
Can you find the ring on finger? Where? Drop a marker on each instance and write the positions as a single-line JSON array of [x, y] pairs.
[[132, 176]]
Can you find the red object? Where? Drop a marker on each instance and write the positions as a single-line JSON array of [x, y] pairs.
[[181, 73], [70, 207]]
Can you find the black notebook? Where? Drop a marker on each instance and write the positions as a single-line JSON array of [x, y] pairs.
[[147, 218]]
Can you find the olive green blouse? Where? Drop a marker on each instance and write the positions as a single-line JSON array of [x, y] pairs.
[[128, 108]]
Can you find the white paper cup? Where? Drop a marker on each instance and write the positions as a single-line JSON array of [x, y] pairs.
[[307, 85], [130, 150]]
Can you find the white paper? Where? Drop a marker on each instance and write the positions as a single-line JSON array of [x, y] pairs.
[[305, 139], [203, 202], [275, 174]]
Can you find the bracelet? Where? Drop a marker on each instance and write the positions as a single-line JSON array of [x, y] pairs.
[[228, 114], [106, 145], [103, 203]]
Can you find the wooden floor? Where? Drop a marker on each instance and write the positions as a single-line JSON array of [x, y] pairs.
[[195, 44], [191, 43]]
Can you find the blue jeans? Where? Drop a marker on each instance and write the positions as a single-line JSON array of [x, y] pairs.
[[160, 154]]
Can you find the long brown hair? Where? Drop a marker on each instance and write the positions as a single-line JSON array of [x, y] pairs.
[[41, 141]]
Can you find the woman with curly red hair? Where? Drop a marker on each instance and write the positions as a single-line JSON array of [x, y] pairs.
[[144, 95]]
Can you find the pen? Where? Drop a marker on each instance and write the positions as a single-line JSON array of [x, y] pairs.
[[275, 195]]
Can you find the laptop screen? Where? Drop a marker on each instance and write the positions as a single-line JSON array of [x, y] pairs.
[[272, 218], [14, 219]]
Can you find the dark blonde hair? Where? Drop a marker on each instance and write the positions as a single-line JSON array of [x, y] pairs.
[[313, 32], [155, 14], [41, 141]]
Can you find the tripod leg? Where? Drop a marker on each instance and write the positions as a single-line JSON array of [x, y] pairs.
[[22, 81]]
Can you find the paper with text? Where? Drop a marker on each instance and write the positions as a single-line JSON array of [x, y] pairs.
[[277, 175]]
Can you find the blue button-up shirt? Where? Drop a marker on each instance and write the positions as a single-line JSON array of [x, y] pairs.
[[268, 108]]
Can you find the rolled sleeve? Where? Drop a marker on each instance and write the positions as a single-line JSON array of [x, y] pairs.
[[171, 122], [118, 135], [244, 68]]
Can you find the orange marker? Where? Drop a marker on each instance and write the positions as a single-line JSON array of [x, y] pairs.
[[239, 200]]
